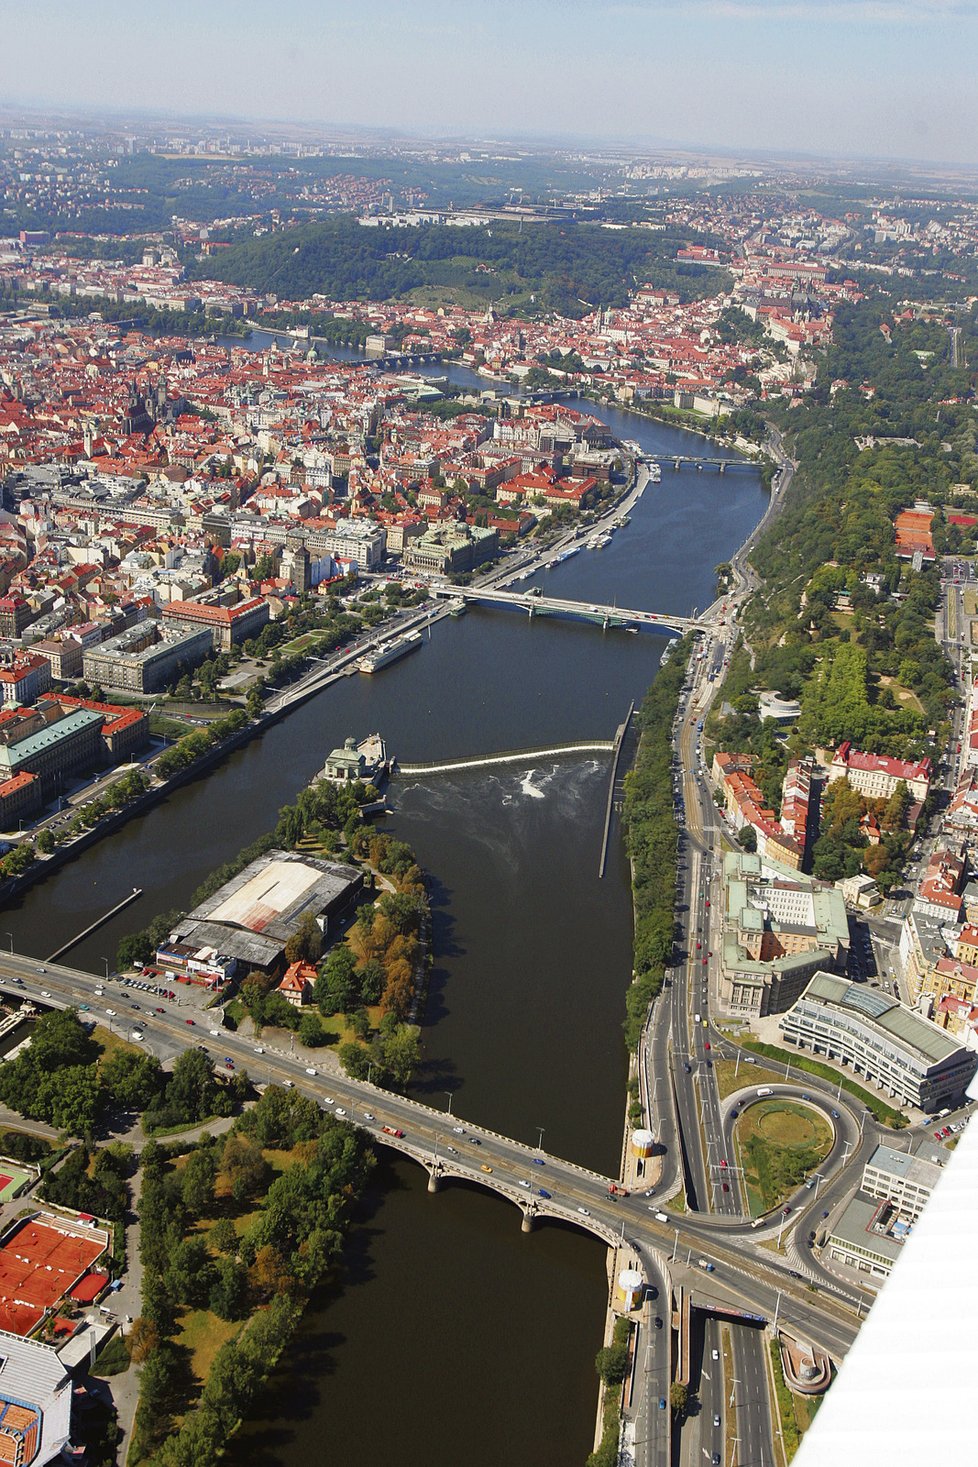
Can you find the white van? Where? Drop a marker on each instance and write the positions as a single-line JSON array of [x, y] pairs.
[[697, 1019], [765, 1090]]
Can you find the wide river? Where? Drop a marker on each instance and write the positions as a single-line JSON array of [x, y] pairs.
[[458, 1338]]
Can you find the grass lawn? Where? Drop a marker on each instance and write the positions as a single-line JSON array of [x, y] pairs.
[[904, 696], [113, 1358], [771, 1139], [203, 1334], [728, 1082], [112, 1042], [800, 1061]]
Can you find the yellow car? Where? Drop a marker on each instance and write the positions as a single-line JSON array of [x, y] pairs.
[[484, 1168]]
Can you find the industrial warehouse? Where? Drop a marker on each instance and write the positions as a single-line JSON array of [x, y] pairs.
[[247, 922]]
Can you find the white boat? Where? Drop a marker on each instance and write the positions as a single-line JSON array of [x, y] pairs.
[[389, 653]]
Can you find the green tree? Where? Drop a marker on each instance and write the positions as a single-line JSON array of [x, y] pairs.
[[191, 1272], [611, 1363], [355, 1060], [197, 1181], [401, 1052], [679, 1397], [132, 1080]]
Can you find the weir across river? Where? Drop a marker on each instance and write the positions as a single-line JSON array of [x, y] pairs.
[[511, 756]]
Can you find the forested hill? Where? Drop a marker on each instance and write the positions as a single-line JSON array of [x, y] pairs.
[[564, 267], [840, 622]]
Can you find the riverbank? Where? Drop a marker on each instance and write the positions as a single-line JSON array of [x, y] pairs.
[[557, 965]]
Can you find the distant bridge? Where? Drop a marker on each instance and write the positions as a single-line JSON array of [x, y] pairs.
[[604, 616], [684, 460], [511, 756]]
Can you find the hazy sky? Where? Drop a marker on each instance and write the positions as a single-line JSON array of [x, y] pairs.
[[886, 77]]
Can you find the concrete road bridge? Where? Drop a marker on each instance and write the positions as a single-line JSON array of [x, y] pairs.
[[604, 616], [450, 1149], [685, 460]]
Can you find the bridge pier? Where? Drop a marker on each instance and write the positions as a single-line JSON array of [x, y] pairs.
[[529, 1218], [434, 1178], [723, 466]]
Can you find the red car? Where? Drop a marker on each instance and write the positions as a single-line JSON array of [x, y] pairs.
[[705, 961], [723, 1161], [706, 1045], [708, 901], [726, 1186], [188, 1021], [698, 946]]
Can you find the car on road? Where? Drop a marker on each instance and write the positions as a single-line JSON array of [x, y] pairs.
[[340, 1111], [584, 1212], [786, 1212], [310, 1070], [706, 1044], [714, 1354], [188, 1021], [723, 1161], [825, 1212], [795, 1274], [163, 1011], [327, 1100], [715, 1459], [45, 994], [368, 1115], [734, 1114], [662, 1403], [134, 1005], [543, 1192], [487, 1169], [725, 1186], [258, 1049], [524, 1183], [661, 1217], [716, 1419], [111, 1013], [459, 1130], [835, 1115], [687, 1067], [539, 1161]]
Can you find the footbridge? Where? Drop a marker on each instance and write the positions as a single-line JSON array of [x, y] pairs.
[[511, 756], [604, 616]]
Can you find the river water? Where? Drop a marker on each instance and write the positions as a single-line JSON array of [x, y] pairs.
[[459, 1338]]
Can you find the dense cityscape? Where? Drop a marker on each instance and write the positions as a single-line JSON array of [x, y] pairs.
[[386, 522]]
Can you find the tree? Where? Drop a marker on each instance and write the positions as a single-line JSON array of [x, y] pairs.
[[197, 1180], [311, 1031], [224, 1237], [243, 1170], [401, 1051], [131, 1080], [190, 1273], [355, 1060], [45, 842], [144, 1339], [229, 1290], [611, 1363], [747, 837], [679, 1396]]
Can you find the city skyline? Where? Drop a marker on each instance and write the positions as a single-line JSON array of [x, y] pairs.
[[845, 78]]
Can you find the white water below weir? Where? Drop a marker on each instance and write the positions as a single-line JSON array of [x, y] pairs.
[[513, 756]]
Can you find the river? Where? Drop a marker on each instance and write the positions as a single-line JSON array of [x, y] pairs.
[[459, 1338]]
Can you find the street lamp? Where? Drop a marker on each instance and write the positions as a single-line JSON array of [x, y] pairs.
[[675, 1247], [11, 936], [819, 1179], [106, 962], [449, 1094], [541, 1130], [734, 1382], [777, 1310]]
